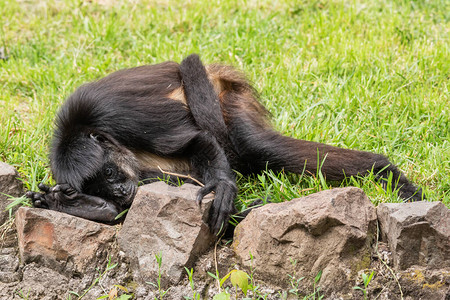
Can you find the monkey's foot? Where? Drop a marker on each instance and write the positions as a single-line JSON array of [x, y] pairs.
[[50, 197], [64, 198]]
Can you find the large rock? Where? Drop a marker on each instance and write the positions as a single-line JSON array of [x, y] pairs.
[[418, 233], [166, 221], [9, 185], [60, 241], [329, 231]]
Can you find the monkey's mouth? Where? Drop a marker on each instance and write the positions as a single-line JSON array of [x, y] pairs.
[[131, 194]]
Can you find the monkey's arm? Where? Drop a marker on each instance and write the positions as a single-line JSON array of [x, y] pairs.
[[65, 199], [209, 162]]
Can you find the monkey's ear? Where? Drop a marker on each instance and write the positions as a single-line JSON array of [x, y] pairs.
[[104, 139], [98, 137]]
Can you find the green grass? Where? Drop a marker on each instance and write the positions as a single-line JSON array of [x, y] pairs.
[[370, 75]]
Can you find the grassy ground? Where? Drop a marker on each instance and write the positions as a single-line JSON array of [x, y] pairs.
[[370, 75]]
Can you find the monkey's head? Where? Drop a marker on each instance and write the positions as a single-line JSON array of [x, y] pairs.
[[95, 164]]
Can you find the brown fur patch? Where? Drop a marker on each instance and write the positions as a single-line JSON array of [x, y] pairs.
[[236, 94], [152, 161], [214, 78], [124, 160], [178, 95]]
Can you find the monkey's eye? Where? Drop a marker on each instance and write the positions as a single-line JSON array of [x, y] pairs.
[[109, 172]]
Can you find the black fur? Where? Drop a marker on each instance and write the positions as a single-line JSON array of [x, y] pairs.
[[205, 122]]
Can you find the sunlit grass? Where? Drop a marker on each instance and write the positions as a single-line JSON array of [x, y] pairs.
[[369, 75]]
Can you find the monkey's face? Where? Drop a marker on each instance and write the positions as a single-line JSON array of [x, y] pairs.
[[117, 178], [113, 184]]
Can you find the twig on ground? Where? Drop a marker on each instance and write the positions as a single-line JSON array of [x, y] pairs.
[[385, 264], [182, 176]]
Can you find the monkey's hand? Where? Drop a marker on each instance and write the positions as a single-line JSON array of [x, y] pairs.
[[223, 205], [64, 198], [208, 159]]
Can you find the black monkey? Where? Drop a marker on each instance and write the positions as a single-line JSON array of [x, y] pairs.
[[184, 118]]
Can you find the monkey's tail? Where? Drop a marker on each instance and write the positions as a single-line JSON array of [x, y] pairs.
[[265, 148]]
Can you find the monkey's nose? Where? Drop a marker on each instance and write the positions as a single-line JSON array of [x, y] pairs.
[[123, 190], [120, 191]]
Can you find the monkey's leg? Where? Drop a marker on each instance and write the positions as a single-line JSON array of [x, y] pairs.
[[65, 199], [266, 148]]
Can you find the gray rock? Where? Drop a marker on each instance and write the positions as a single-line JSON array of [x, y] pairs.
[[165, 220], [9, 264], [60, 241], [9, 185], [38, 282], [418, 233], [330, 231]]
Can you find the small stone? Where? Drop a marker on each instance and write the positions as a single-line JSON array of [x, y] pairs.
[[9, 185]]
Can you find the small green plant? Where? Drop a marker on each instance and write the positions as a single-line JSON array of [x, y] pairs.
[[161, 291], [294, 282], [366, 280], [256, 294], [222, 296], [195, 295], [316, 289], [114, 293], [238, 278], [109, 266], [16, 201], [121, 214], [21, 294]]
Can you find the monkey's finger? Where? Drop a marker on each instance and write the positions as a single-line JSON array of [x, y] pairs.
[[67, 190], [222, 207], [214, 213], [33, 196], [208, 188], [43, 187], [37, 199]]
